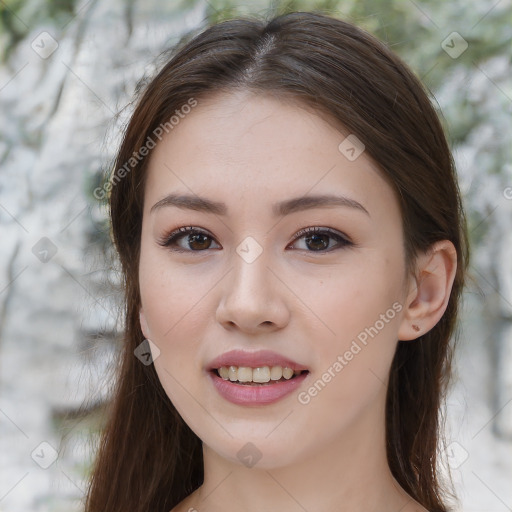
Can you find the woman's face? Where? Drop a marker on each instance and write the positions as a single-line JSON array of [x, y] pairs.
[[249, 281]]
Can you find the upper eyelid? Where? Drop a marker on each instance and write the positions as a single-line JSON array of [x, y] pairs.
[[321, 229]]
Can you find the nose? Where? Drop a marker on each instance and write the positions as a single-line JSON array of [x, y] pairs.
[[253, 298]]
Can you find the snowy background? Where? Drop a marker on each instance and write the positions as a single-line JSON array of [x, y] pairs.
[[68, 71]]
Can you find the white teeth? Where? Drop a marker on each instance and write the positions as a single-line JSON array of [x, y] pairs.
[[287, 373], [233, 373], [276, 372], [224, 372], [261, 374], [244, 374]]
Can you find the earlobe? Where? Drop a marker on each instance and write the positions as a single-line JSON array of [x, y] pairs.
[[430, 291]]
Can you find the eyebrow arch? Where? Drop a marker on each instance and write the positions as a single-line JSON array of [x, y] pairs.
[[203, 204]]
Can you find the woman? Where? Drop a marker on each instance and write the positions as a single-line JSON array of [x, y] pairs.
[[285, 208]]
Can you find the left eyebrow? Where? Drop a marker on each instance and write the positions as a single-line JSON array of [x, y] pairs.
[[281, 209], [310, 202]]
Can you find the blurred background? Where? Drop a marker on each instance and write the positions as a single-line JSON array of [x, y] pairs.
[[68, 72]]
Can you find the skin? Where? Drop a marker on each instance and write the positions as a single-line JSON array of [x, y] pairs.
[[306, 303]]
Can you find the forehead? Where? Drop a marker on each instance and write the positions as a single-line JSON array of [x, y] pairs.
[[241, 145]]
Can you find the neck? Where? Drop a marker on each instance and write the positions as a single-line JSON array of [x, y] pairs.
[[349, 473]]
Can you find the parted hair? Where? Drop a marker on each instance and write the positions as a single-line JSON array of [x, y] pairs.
[[148, 458]]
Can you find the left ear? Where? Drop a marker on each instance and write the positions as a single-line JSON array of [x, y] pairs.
[[429, 291]]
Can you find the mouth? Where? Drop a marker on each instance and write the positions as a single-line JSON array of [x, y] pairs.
[[255, 378], [258, 376], [259, 386]]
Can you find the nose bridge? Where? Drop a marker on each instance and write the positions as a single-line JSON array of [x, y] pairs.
[[251, 295], [250, 279]]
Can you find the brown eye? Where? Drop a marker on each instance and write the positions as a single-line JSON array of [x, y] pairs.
[[195, 240], [318, 239]]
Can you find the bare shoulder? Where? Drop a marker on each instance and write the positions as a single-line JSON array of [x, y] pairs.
[[414, 507], [411, 505], [182, 507], [185, 505], [420, 508]]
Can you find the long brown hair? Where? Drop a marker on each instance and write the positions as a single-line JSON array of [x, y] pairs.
[[148, 458]]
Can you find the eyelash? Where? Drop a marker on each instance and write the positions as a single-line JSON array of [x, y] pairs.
[[170, 239]]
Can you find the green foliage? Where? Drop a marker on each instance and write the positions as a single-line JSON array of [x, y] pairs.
[[20, 17], [415, 30], [471, 99]]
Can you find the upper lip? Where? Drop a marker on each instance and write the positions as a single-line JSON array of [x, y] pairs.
[[254, 360]]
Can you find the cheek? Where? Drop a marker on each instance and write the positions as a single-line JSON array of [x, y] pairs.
[[346, 301], [172, 308], [359, 311], [170, 296], [350, 378]]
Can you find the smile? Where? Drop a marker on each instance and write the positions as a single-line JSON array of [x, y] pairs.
[[253, 393]]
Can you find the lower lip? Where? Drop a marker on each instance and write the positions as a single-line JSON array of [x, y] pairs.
[[241, 394]]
